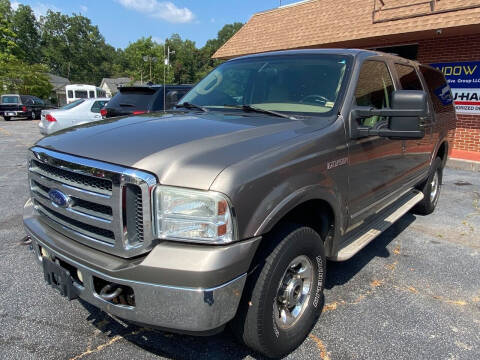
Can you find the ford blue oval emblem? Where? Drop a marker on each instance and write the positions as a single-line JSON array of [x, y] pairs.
[[58, 198]]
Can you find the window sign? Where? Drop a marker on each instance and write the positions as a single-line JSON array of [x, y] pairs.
[[464, 80]]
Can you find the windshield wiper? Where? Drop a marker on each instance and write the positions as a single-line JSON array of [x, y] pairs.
[[249, 108], [189, 106]]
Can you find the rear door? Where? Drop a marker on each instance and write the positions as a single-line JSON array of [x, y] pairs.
[[441, 100], [416, 153], [373, 172]]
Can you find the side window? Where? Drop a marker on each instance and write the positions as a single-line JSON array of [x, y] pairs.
[[181, 94], [438, 89], [374, 89], [91, 94], [70, 94], [97, 106], [172, 98], [81, 94], [408, 77]]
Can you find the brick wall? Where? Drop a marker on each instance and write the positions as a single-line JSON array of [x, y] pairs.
[[459, 48]]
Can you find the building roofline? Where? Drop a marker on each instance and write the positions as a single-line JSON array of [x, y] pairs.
[[283, 7]]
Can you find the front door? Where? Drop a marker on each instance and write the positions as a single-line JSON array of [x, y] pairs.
[[374, 171]]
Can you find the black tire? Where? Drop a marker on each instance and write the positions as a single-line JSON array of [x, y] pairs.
[[430, 200], [32, 116], [7, 118], [255, 323]]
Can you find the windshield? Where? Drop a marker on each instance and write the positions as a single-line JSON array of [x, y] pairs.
[[10, 99], [72, 105], [305, 84]]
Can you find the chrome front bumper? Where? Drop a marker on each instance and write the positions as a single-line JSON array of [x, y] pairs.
[[182, 309]]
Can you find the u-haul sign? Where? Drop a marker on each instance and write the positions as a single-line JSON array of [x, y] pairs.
[[464, 80]]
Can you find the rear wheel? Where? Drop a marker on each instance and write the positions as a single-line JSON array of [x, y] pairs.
[[431, 190], [32, 116], [284, 296]]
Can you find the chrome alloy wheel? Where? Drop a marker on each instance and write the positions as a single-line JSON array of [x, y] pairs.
[[293, 292], [434, 188]]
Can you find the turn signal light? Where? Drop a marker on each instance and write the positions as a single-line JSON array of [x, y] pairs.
[[50, 118]]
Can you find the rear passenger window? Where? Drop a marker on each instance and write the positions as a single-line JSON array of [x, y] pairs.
[[408, 77], [97, 106], [438, 89], [374, 89], [91, 94]]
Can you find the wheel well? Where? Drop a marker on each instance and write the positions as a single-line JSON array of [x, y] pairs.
[[317, 214], [442, 152]]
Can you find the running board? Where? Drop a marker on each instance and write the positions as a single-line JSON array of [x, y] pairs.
[[359, 239]]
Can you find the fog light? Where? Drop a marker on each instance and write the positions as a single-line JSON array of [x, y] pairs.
[[45, 253], [80, 276]]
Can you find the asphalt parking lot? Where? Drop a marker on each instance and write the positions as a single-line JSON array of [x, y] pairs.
[[414, 293]]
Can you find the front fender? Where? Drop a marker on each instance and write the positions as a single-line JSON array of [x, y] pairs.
[[298, 197]]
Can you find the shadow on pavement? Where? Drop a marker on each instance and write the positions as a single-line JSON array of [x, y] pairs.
[[339, 273], [169, 345]]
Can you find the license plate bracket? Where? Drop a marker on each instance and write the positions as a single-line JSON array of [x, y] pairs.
[[59, 278]]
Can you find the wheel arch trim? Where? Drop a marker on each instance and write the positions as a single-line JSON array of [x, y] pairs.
[[299, 197]]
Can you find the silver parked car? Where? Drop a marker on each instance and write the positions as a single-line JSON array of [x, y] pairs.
[[78, 112]]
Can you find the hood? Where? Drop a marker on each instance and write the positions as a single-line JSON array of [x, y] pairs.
[[187, 150]]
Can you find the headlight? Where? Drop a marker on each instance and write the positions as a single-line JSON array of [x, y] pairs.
[[192, 215]]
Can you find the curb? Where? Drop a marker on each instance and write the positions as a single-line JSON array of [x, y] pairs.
[[460, 164]]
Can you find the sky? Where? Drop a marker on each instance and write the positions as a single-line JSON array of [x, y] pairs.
[[125, 21]]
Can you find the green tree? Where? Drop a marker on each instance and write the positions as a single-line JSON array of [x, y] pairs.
[[211, 46], [26, 28], [144, 61], [74, 48], [184, 62], [8, 47], [19, 77]]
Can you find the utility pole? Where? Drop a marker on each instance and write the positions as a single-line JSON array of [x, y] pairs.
[[167, 63]]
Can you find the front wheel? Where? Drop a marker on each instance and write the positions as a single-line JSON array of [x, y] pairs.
[[283, 298], [431, 190]]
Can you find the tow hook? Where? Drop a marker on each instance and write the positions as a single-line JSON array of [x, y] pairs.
[[107, 294], [26, 241]]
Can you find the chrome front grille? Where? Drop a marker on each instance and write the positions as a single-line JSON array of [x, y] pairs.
[[108, 205]]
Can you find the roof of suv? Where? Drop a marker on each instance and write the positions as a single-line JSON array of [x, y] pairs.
[[154, 87], [352, 52]]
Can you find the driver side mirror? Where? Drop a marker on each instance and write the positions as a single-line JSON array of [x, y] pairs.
[[404, 117]]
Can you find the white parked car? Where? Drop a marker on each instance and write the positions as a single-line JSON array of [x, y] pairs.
[[78, 112]]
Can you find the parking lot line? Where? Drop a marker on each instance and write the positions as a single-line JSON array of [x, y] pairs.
[[2, 130]]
